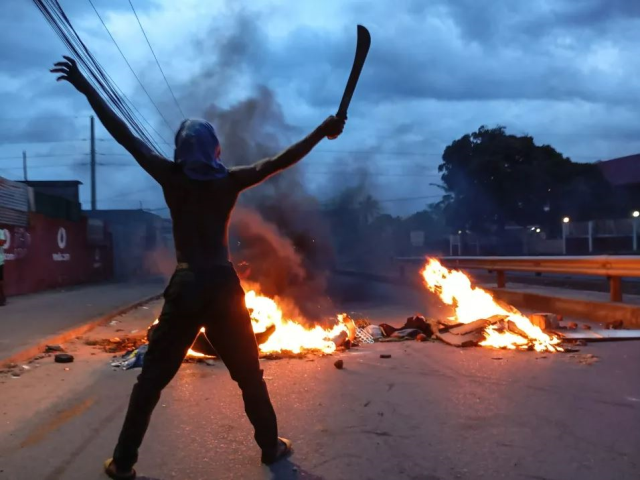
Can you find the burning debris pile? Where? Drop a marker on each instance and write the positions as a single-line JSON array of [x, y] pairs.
[[279, 334], [479, 319]]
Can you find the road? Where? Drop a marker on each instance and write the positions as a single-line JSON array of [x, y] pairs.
[[27, 319], [431, 412]]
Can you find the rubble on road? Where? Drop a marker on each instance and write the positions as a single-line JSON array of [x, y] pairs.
[[53, 348], [131, 359], [116, 344], [63, 358]]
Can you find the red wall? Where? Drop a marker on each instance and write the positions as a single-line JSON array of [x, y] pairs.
[[52, 253]]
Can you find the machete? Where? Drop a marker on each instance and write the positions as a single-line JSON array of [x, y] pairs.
[[362, 49]]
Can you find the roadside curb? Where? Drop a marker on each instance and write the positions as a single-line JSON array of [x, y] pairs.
[[594, 311], [70, 334]]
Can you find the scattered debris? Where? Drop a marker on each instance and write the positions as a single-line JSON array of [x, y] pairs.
[[131, 359], [600, 334], [422, 338], [210, 362], [545, 321], [385, 355], [470, 327], [124, 345], [113, 322], [572, 326], [374, 331], [586, 359], [496, 358], [468, 340], [585, 326], [363, 337], [53, 348], [614, 325], [339, 364], [411, 328], [63, 358]]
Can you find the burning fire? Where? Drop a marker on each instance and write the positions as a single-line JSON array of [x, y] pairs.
[[473, 303], [289, 335]]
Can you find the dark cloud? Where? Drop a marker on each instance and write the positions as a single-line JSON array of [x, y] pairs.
[[562, 70]]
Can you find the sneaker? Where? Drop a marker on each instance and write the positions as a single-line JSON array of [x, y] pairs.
[[112, 472], [283, 450]]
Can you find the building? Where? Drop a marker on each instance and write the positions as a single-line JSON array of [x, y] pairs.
[[142, 242], [49, 243], [624, 174]]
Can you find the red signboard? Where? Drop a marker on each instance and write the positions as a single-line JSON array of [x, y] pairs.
[[52, 253]]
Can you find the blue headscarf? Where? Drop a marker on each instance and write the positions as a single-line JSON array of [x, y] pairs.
[[198, 151]]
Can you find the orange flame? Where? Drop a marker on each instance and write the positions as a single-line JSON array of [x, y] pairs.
[[289, 335], [473, 303]]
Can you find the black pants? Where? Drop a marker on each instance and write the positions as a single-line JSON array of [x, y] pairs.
[[215, 300]]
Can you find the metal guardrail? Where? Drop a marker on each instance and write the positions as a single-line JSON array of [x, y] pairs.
[[612, 267]]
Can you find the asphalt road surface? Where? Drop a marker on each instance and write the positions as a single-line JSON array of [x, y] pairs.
[[431, 412], [28, 319]]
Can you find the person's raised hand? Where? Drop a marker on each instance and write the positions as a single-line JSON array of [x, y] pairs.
[[71, 73], [332, 127]]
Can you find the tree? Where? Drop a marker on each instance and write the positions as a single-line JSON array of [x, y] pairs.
[[492, 179]]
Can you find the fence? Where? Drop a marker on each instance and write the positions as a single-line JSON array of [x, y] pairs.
[[612, 267]]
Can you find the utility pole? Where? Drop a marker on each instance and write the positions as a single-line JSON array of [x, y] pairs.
[[24, 165], [93, 165]]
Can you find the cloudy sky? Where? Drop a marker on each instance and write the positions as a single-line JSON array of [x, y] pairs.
[[564, 71]]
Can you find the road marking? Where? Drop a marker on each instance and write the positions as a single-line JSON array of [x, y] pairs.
[[56, 422]]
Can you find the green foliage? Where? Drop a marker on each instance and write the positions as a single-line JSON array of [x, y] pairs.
[[492, 179]]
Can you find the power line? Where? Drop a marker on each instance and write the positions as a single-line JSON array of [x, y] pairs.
[[57, 155], [57, 165], [157, 61], [26, 142], [98, 77], [42, 117], [129, 65], [408, 199]]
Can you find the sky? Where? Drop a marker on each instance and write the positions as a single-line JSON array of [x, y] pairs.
[[563, 71]]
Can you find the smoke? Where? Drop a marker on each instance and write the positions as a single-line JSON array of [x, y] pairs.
[[279, 228]]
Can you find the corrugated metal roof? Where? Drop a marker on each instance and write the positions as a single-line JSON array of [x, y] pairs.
[[13, 217], [14, 195], [14, 203]]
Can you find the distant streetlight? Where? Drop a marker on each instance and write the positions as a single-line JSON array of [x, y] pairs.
[[565, 225], [538, 230], [635, 214]]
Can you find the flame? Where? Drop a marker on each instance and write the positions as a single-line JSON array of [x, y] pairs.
[[289, 335], [473, 303]]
